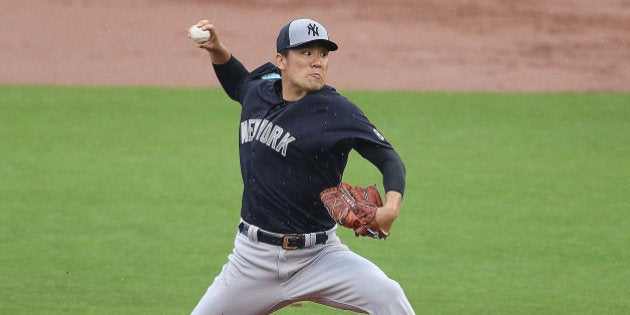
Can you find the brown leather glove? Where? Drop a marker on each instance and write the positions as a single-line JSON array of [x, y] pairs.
[[354, 208]]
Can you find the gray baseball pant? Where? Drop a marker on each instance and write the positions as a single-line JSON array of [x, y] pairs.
[[260, 278]]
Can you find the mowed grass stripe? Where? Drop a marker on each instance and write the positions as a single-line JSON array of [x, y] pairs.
[[124, 200]]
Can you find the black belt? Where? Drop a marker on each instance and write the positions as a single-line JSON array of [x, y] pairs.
[[289, 242]]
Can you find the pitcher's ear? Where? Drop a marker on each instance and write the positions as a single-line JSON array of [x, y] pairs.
[[280, 61]]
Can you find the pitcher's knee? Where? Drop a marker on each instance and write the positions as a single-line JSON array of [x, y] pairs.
[[387, 292], [389, 298]]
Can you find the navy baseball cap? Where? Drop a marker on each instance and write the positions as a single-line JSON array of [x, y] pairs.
[[303, 31]]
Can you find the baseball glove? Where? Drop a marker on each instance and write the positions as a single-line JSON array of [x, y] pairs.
[[354, 208]]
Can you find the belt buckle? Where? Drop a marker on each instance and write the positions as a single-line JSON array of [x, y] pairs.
[[286, 239]]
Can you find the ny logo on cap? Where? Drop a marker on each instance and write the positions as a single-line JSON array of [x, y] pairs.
[[312, 28]]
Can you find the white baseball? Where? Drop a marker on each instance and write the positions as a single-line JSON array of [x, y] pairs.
[[198, 35]]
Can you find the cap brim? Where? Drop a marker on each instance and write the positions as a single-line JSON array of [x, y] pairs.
[[330, 45]]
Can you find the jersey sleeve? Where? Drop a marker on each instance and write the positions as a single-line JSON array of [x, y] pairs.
[[347, 124], [388, 163], [346, 127], [231, 76]]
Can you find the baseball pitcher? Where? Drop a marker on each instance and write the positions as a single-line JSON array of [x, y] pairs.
[[295, 136]]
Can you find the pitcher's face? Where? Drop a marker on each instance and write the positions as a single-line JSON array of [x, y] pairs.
[[304, 69]]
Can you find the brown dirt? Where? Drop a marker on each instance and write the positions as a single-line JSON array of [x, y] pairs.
[[484, 45]]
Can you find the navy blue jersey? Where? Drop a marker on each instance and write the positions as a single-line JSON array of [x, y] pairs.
[[291, 151]]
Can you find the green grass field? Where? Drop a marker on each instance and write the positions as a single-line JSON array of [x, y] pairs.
[[125, 200]]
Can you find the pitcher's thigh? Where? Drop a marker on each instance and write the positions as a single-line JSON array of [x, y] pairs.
[[343, 279], [246, 285], [244, 296]]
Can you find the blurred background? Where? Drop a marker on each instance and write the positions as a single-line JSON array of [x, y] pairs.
[[473, 45]]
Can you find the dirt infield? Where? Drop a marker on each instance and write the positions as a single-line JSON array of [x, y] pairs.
[[484, 45]]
